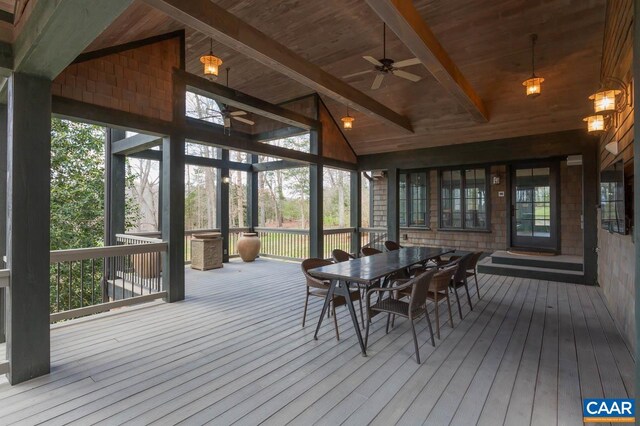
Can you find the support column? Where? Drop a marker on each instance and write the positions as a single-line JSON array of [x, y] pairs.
[[115, 172], [636, 178], [316, 218], [222, 211], [252, 194], [393, 205], [590, 202], [356, 210], [3, 212], [28, 205]]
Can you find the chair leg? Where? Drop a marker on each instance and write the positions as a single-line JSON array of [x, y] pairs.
[[437, 319], [306, 302], [475, 277], [388, 320], [415, 340], [455, 291], [335, 321], [449, 306], [466, 288], [426, 314]]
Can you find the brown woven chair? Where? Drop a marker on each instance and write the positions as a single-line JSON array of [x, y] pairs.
[[319, 288], [369, 251], [439, 290], [413, 309], [460, 280], [472, 270], [341, 255], [392, 246]]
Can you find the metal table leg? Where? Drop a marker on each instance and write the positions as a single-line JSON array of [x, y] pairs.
[[327, 301], [342, 289]]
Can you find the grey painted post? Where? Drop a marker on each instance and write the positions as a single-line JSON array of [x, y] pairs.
[[356, 210], [590, 193], [3, 211], [28, 204], [393, 205], [173, 216], [222, 211], [636, 178], [252, 194], [316, 218], [115, 188]]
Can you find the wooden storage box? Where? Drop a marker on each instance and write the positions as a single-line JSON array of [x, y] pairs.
[[206, 251]]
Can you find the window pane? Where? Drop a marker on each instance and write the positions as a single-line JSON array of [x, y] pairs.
[[475, 197], [402, 199], [418, 182]]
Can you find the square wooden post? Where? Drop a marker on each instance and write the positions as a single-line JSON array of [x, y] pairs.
[[636, 178], [115, 172], [3, 211], [316, 218], [356, 210], [222, 212], [253, 196], [393, 205], [28, 205]]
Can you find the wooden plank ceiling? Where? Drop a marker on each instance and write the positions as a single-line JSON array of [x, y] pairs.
[[487, 40]]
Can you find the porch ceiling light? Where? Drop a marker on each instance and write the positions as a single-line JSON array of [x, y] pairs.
[[595, 123], [211, 64], [533, 84], [347, 121], [605, 100]]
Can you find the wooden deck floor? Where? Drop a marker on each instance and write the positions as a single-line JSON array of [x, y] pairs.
[[234, 351]]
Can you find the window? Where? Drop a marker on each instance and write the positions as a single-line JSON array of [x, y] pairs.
[[463, 199], [413, 199]]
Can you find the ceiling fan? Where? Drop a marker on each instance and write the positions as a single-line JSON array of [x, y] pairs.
[[226, 114], [386, 66]]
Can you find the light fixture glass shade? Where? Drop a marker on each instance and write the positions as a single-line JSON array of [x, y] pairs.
[[533, 86], [605, 100], [595, 123], [226, 179], [347, 122], [211, 64]]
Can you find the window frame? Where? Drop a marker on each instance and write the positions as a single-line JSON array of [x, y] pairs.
[[409, 199], [463, 203]]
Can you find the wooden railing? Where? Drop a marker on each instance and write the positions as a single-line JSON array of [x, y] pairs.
[[337, 239], [234, 234], [373, 237], [91, 280], [284, 243]]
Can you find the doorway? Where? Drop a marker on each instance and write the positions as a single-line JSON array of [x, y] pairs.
[[535, 207]]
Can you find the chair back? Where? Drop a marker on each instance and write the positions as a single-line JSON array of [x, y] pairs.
[[369, 251], [442, 278], [463, 265], [474, 260], [341, 255], [391, 246], [308, 264], [420, 289]]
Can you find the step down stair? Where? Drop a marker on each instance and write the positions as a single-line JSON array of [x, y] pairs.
[[562, 268]]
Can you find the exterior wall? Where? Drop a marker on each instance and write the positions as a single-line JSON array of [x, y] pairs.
[[616, 255], [138, 80], [496, 239]]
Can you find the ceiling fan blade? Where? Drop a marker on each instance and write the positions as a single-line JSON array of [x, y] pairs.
[[357, 74], [239, 112], [406, 75], [373, 60], [377, 81], [406, 63], [244, 120]]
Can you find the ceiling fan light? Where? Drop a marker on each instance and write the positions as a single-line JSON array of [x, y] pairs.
[[533, 86], [595, 123], [211, 65], [347, 122], [605, 100]]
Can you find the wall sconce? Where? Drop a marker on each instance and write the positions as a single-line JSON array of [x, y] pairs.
[[226, 179], [608, 101], [595, 123]]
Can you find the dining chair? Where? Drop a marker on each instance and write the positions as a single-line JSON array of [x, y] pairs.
[[460, 280], [412, 310], [341, 255], [319, 288], [472, 270], [392, 246], [439, 290], [369, 251]]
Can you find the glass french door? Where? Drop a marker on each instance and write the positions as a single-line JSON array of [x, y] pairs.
[[534, 189]]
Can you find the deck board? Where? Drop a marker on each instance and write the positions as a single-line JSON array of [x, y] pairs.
[[235, 351]]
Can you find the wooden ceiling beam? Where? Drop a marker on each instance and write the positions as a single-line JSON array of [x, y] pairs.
[[56, 32], [135, 143], [210, 19], [405, 21]]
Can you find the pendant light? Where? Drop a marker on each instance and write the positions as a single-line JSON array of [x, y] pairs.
[[533, 84], [347, 121], [211, 64]]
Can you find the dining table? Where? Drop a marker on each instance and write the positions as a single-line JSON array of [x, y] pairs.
[[366, 271]]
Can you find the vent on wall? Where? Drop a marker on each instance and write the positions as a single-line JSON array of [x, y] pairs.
[[574, 160]]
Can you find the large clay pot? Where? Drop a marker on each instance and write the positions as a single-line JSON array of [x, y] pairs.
[[248, 246]]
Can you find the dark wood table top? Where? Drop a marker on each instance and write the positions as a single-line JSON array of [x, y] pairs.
[[370, 268]]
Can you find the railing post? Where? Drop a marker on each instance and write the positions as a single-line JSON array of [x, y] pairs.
[[252, 194], [222, 211], [356, 210], [28, 235]]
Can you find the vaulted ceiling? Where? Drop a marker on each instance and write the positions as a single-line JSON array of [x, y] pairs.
[[487, 39]]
